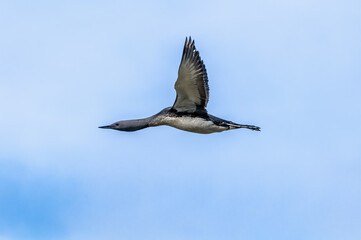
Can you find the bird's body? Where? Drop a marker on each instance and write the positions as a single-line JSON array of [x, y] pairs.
[[198, 123], [188, 112], [193, 124]]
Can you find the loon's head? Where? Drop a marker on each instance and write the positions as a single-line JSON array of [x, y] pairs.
[[115, 126], [128, 126]]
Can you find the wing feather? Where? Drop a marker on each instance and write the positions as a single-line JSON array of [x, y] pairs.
[[192, 82]]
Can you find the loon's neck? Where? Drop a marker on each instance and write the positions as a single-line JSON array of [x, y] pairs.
[[133, 125]]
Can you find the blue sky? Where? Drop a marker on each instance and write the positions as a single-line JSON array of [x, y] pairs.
[[291, 67]]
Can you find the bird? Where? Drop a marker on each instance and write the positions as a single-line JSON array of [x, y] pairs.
[[188, 112]]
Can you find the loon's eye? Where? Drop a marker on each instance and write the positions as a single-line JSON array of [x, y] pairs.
[[117, 124]]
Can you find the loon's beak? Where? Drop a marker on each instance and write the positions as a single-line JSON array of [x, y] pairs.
[[106, 127]]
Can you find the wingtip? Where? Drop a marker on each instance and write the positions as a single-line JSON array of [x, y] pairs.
[[189, 39]]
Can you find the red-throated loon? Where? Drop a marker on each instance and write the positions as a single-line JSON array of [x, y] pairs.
[[188, 112]]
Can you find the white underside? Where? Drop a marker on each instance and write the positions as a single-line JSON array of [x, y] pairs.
[[192, 124]]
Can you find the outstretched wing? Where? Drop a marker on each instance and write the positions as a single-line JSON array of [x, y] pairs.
[[192, 83]]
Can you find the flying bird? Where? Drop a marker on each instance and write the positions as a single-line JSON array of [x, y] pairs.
[[188, 112]]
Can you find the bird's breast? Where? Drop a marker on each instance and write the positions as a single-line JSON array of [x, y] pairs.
[[193, 124]]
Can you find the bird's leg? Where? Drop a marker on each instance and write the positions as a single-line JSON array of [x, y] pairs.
[[251, 127]]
